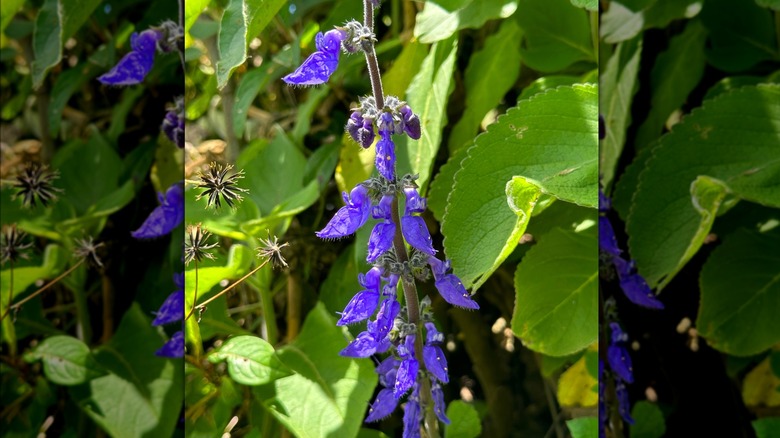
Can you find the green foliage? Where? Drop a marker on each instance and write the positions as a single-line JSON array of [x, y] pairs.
[[440, 19], [465, 421], [584, 427], [649, 420], [251, 360], [66, 360]]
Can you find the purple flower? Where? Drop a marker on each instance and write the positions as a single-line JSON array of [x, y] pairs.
[[384, 405], [350, 217], [385, 156], [173, 127], [407, 371], [133, 67], [172, 309], [605, 204], [439, 407], [167, 216], [617, 354], [385, 318], [321, 64], [624, 404], [411, 122], [364, 345], [383, 233], [412, 416], [634, 285], [174, 348], [607, 240], [361, 130], [449, 285], [363, 304], [413, 227], [433, 356]]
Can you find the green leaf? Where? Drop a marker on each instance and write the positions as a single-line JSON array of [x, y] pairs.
[[554, 41], [66, 360], [57, 21], [649, 421], [427, 96], [465, 421], [341, 283], [221, 221], [271, 163], [148, 386], [551, 141], [8, 9], [618, 82], [665, 224], [442, 185], [739, 37], [621, 23], [490, 74], [328, 394], [250, 360], [439, 20], [771, 4], [591, 5], [242, 21], [397, 79], [192, 10], [767, 427], [675, 74], [557, 293], [740, 294], [584, 427]]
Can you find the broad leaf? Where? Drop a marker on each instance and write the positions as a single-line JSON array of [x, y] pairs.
[[250, 359], [551, 141], [649, 420], [740, 294], [554, 41], [465, 422], [440, 19], [583, 427], [624, 20], [328, 394], [576, 387], [665, 224], [556, 287], [66, 360]]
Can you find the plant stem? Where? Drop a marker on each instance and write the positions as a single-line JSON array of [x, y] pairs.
[[294, 298], [594, 33], [195, 299], [371, 61], [43, 288], [181, 43], [227, 289]]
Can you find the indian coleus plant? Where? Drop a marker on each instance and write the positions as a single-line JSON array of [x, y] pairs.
[[415, 366]]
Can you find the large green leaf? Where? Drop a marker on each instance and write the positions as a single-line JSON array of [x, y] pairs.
[[677, 194], [57, 21], [618, 85], [556, 306], [242, 21], [66, 360], [250, 360], [7, 10], [427, 96], [192, 10], [328, 394], [551, 141], [557, 34], [440, 19], [675, 74], [739, 37], [490, 74], [740, 294], [626, 19], [465, 422], [766, 427], [583, 427], [649, 420], [149, 387]]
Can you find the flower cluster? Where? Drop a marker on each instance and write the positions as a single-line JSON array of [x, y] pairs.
[[619, 369], [173, 123], [172, 310], [134, 66], [416, 366]]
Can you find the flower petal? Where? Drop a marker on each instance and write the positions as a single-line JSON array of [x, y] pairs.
[[416, 233], [350, 217], [167, 216], [634, 285], [439, 407], [406, 377], [381, 240], [385, 318], [134, 66], [436, 362], [385, 157], [607, 240], [412, 418], [359, 308], [364, 345], [172, 309], [174, 348], [383, 405], [452, 290], [620, 362]]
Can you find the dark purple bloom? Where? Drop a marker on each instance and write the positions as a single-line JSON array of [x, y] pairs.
[[165, 217], [449, 285], [350, 217], [407, 371], [321, 64], [617, 354], [411, 122], [364, 345], [412, 416], [607, 240], [385, 318], [174, 348], [634, 285], [439, 407], [383, 233], [624, 404], [384, 405], [605, 204], [133, 67], [363, 304], [433, 356], [385, 156], [173, 127]]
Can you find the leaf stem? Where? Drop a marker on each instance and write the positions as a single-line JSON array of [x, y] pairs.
[[371, 61], [594, 33], [227, 289], [195, 299], [43, 288]]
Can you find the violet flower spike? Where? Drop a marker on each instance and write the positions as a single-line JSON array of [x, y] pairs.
[[134, 66], [413, 227], [412, 415], [173, 126], [433, 356], [407, 371], [363, 304], [449, 285], [318, 67], [634, 285], [382, 235], [350, 217], [617, 354], [439, 406], [167, 216], [385, 156]]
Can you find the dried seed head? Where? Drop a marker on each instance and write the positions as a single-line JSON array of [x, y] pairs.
[[218, 184], [271, 249], [35, 184], [11, 244], [86, 248], [195, 245]]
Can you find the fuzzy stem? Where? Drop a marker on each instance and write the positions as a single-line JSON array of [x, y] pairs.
[[181, 42], [371, 61]]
